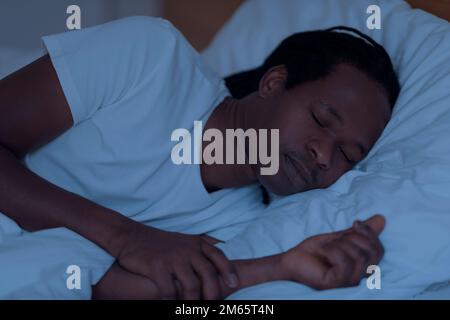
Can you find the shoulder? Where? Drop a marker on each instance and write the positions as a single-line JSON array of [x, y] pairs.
[[143, 27], [160, 40], [139, 22]]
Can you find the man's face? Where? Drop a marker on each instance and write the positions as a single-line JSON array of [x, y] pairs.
[[326, 126]]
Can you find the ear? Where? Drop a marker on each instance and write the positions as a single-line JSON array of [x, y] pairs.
[[273, 81]]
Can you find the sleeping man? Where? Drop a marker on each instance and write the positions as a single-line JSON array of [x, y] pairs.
[[85, 144]]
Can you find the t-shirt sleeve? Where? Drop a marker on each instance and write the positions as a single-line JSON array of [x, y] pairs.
[[99, 65]]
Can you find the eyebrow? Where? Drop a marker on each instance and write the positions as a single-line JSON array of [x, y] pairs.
[[338, 117]]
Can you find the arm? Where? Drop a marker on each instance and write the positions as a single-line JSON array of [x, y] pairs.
[[120, 284], [325, 261], [33, 111]]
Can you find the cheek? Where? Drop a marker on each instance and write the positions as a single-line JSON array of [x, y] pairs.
[[335, 173], [277, 184], [295, 133]]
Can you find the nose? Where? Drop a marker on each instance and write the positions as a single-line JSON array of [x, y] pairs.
[[321, 152]]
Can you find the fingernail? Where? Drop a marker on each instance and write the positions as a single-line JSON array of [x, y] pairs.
[[232, 280]]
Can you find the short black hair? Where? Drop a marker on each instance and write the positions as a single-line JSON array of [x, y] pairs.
[[312, 55]]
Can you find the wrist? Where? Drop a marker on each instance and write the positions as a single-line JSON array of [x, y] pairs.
[[294, 265], [278, 268], [285, 268], [254, 271], [265, 269], [120, 235]]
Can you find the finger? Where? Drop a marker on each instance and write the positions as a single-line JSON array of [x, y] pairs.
[[359, 255], [376, 223], [364, 229], [372, 245], [189, 281], [225, 267], [209, 278], [364, 242], [327, 237], [210, 240], [371, 235], [341, 270], [166, 285], [179, 289]]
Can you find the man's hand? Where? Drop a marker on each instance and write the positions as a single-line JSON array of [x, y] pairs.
[[338, 259], [182, 266]]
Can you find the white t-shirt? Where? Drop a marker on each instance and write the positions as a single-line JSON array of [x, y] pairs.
[[130, 83]]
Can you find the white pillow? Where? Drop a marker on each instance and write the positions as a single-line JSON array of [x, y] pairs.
[[406, 176]]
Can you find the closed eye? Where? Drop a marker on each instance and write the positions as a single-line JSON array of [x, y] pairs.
[[346, 157], [317, 120]]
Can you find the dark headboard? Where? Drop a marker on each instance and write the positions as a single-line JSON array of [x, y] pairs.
[[199, 20]]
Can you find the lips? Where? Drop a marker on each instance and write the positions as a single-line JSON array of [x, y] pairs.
[[300, 168]]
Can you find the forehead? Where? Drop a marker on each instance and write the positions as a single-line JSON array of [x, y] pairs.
[[360, 102]]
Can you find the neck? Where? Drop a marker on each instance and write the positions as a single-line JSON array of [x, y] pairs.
[[229, 114]]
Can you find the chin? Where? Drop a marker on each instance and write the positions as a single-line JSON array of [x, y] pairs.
[[279, 185]]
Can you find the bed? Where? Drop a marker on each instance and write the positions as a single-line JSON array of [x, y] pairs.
[[406, 176]]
